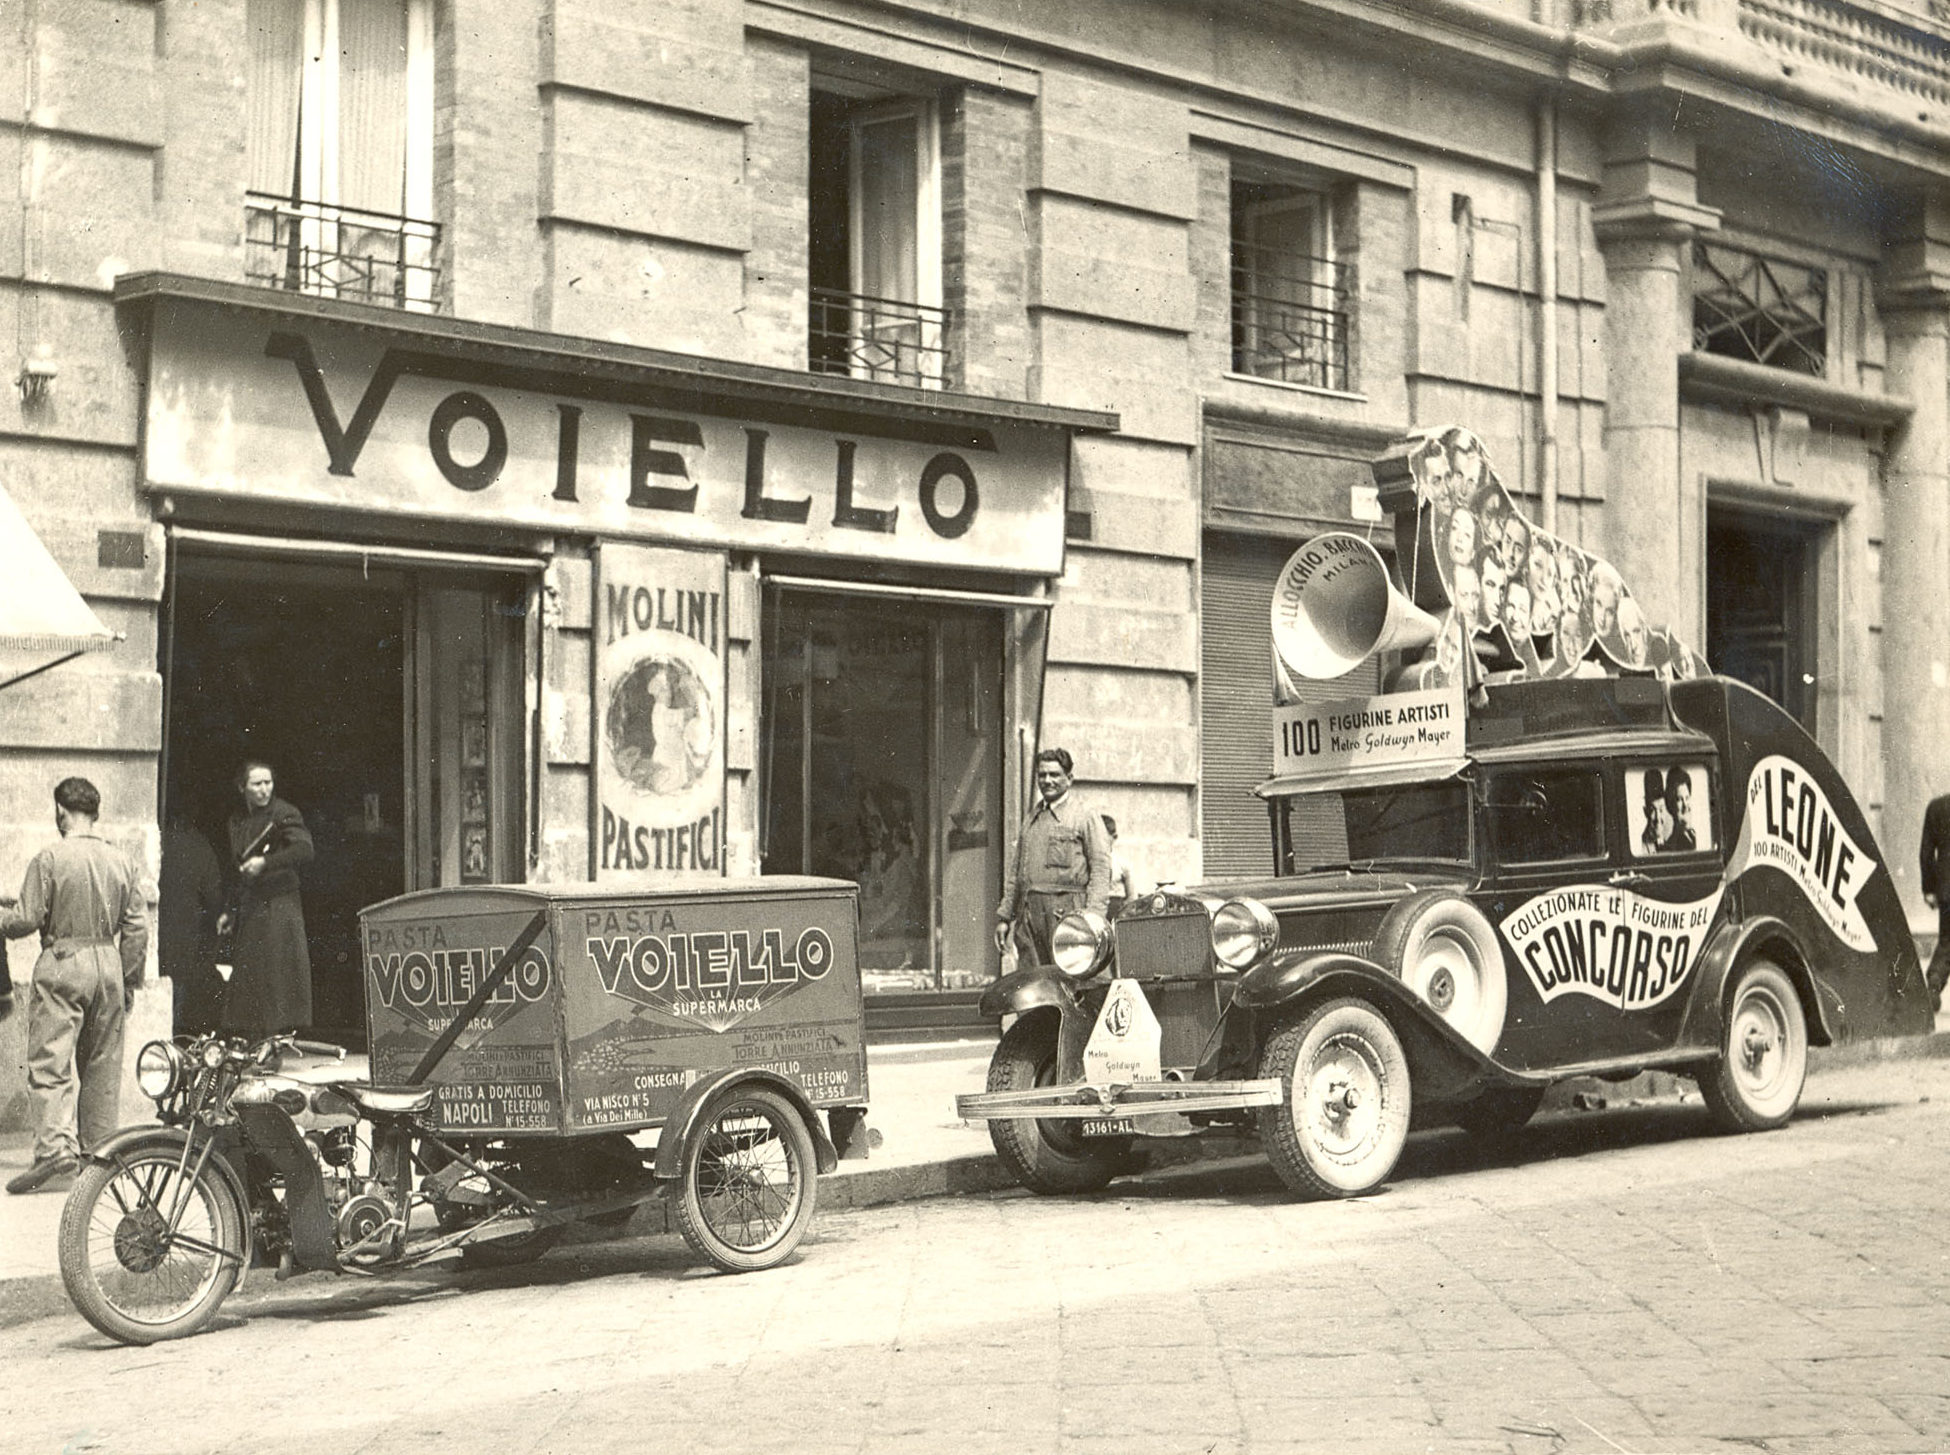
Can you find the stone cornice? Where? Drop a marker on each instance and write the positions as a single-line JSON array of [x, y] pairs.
[[1713, 379], [1654, 217]]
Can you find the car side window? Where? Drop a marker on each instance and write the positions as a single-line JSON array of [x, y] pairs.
[[1547, 816], [1668, 808]]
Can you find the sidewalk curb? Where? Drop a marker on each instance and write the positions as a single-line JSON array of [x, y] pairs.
[[856, 1185]]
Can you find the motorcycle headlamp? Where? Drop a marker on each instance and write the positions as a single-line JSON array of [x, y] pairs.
[[1080, 943], [158, 1070], [1242, 931]]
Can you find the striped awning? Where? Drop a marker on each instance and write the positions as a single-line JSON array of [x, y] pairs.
[[41, 613]]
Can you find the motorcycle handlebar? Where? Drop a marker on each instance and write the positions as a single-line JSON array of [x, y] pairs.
[[319, 1048]]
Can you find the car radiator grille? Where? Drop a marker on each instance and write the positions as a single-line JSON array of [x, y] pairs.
[[1152, 946]]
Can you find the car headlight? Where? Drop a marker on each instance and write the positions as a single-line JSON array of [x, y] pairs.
[[1080, 943], [158, 1070], [1242, 931]]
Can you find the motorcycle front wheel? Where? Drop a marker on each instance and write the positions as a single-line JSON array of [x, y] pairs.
[[149, 1251]]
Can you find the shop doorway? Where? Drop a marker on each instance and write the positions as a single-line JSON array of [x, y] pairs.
[[389, 705], [1761, 607], [883, 764]]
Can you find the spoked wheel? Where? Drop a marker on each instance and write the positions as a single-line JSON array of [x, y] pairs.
[[149, 1251], [1756, 1084], [1046, 1154], [1343, 1121], [748, 1181]]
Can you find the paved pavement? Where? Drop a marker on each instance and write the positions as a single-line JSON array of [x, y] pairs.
[[924, 1149], [1614, 1283]]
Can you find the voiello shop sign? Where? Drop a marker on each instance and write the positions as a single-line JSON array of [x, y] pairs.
[[314, 412]]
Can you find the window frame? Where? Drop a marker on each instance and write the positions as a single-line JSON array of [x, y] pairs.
[[1598, 848], [1319, 272], [315, 197]]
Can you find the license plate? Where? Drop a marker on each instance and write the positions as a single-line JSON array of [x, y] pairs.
[[1108, 1127]]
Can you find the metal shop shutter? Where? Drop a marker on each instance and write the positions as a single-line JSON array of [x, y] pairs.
[[1236, 692]]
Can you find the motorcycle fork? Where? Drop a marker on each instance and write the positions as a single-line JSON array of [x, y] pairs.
[[186, 1180]]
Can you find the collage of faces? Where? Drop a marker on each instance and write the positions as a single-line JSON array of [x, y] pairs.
[[1530, 604]]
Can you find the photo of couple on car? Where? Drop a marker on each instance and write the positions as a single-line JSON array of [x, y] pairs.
[[1668, 822]]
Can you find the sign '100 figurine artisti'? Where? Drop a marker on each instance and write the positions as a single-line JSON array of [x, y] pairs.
[[1555, 844]]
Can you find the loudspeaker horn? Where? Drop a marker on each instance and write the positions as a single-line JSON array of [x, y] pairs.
[[1334, 606]]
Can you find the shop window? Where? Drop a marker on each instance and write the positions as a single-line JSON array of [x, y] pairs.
[[1668, 808], [875, 246], [1547, 817], [1759, 309], [1292, 297], [340, 143], [882, 763]]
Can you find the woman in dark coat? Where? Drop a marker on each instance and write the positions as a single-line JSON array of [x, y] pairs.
[[270, 986]]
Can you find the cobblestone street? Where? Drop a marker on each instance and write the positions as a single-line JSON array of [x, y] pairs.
[[1618, 1282]]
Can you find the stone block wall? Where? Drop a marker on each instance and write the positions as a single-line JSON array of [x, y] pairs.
[[92, 89]]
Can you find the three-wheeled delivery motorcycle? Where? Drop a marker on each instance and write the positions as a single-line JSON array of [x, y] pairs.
[[522, 1037]]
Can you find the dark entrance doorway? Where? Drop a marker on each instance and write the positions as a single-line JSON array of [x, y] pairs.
[[304, 668], [1761, 607]]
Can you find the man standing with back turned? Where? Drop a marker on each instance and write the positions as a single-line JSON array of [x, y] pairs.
[[1061, 863], [81, 894], [1936, 886]]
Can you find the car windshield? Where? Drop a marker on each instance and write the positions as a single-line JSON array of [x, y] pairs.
[[1413, 823]]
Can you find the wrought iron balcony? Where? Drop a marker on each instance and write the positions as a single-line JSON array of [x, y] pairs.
[[341, 252], [1292, 317], [878, 338]]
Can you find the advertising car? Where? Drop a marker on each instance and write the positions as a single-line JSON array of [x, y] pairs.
[[1541, 853]]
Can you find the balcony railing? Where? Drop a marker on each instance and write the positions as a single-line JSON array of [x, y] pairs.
[[1904, 53], [341, 252], [878, 338], [1292, 317], [1899, 46]]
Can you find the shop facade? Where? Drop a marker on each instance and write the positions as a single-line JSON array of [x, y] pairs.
[[499, 611]]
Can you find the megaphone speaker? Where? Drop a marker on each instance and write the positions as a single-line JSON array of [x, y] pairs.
[[1334, 606]]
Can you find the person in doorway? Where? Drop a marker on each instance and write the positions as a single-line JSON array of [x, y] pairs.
[[270, 983], [1061, 863], [82, 896], [1936, 886], [188, 901]]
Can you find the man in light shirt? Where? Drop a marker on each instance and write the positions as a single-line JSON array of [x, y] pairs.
[[1061, 863]]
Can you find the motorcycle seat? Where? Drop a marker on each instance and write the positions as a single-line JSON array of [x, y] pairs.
[[387, 1100]]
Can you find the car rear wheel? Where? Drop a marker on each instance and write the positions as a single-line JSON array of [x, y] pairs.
[[1340, 1126], [1756, 1084], [1447, 953], [1046, 1154]]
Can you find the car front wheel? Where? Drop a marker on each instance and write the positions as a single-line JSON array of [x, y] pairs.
[[1046, 1154], [1342, 1122], [1756, 1084]]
